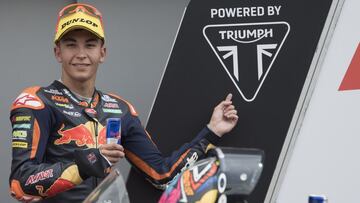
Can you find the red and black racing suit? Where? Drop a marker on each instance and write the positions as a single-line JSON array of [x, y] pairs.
[[50, 123]]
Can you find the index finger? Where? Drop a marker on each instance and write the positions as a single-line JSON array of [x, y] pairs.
[[228, 97], [118, 147]]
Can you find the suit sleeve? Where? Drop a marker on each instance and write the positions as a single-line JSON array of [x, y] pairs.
[[31, 177], [146, 158]]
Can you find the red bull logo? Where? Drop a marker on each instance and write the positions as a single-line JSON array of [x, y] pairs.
[[82, 135]]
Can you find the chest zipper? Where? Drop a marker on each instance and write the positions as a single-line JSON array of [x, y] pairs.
[[96, 133], [96, 146]]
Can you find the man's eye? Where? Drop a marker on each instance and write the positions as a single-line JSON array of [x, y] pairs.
[[70, 45], [91, 45]]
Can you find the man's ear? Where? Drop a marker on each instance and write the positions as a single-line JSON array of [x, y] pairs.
[[57, 52], [102, 54]]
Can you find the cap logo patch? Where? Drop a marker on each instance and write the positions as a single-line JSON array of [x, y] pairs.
[[81, 20]]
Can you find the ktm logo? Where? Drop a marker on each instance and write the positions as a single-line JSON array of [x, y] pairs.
[[351, 79], [59, 99]]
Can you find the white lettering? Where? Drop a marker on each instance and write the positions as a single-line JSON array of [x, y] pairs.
[[230, 12], [277, 9], [246, 34], [273, 10], [237, 12], [213, 12]]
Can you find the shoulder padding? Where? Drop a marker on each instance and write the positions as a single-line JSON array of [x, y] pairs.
[[131, 107], [28, 99]]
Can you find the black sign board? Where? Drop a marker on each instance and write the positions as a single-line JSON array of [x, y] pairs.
[[261, 52]]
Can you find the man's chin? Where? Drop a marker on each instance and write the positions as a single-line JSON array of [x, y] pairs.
[[81, 78]]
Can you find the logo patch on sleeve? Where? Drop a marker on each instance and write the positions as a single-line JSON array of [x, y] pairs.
[[28, 99], [42, 175], [23, 145], [19, 134]]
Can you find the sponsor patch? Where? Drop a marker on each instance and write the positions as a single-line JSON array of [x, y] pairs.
[[19, 134], [68, 106], [111, 105], [42, 175], [91, 111], [52, 91], [83, 103], [59, 99], [23, 125], [91, 158], [107, 98], [28, 100], [20, 118], [80, 134], [72, 113], [117, 111], [23, 145], [75, 20]]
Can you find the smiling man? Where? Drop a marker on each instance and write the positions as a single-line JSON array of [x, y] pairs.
[[59, 146]]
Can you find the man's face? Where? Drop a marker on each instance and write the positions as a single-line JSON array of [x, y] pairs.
[[80, 52]]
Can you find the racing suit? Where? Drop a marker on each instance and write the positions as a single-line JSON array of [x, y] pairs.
[[49, 123]]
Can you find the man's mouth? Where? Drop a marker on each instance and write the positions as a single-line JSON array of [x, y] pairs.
[[80, 64]]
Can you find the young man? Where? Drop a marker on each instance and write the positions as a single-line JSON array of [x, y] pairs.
[[60, 152]]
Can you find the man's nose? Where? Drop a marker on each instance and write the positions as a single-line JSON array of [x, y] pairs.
[[81, 53]]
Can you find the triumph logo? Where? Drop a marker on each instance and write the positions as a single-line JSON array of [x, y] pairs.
[[247, 47]]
